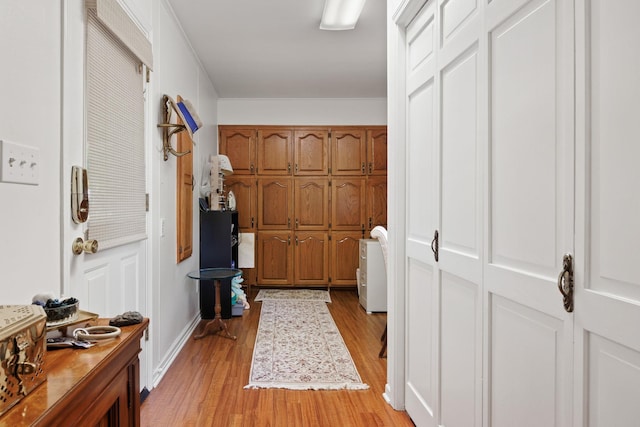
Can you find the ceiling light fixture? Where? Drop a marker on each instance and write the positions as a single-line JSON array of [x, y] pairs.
[[341, 14]]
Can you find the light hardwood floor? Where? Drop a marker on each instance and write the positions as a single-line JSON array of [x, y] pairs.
[[204, 386]]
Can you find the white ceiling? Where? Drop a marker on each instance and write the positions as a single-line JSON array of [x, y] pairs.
[[274, 49]]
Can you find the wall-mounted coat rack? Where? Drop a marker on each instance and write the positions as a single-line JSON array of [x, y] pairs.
[[189, 121]]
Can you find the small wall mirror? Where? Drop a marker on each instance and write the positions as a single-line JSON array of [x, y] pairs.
[[79, 195]]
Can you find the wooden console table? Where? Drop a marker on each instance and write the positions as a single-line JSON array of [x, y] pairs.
[[87, 387]]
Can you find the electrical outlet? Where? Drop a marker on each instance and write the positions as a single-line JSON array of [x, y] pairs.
[[19, 164]]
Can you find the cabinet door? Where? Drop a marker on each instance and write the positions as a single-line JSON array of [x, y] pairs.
[[377, 151], [239, 144], [348, 151], [311, 152], [344, 257], [245, 192], [311, 258], [376, 201], [311, 197], [275, 203], [348, 204], [274, 151], [275, 258], [112, 405]]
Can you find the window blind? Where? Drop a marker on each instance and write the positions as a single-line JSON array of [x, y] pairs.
[[114, 138]]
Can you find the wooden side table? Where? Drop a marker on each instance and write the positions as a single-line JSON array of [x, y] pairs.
[[86, 387], [216, 274]]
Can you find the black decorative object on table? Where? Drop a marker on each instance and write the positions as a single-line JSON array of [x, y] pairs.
[[57, 310], [127, 318]]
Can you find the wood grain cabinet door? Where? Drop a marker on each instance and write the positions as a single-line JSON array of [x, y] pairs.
[[275, 203], [348, 203], [376, 201], [239, 144], [311, 152], [275, 258], [311, 196], [311, 258], [348, 151], [344, 257], [274, 151], [245, 191], [377, 151]]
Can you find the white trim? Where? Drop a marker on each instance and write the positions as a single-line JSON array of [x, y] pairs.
[[170, 356]]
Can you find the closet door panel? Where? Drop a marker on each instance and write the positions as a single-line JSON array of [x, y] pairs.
[[530, 214], [420, 145], [421, 379], [461, 172], [608, 207], [460, 352], [461, 169], [421, 343]]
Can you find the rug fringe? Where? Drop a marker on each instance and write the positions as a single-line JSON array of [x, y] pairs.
[[308, 386]]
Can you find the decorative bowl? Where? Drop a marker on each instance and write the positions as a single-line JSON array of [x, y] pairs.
[[63, 314]]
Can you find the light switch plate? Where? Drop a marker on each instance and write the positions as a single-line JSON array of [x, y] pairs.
[[19, 163]]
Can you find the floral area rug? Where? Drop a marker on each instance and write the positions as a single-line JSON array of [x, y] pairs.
[[299, 347], [296, 294]]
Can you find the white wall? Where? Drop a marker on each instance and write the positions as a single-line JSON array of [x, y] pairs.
[[30, 216], [30, 115], [177, 71], [316, 111]]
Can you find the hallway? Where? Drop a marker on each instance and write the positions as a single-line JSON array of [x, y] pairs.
[[204, 386]]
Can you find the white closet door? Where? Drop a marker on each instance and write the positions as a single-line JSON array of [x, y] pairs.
[[421, 294], [607, 302], [462, 147], [528, 338]]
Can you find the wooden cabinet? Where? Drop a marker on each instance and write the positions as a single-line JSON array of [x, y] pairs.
[[348, 151], [376, 201], [275, 203], [275, 151], [344, 257], [311, 152], [95, 386], [275, 258], [348, 203], [311, 257], [377, 151], [245, 191], [311, 203], [239, 145], [309, 185]]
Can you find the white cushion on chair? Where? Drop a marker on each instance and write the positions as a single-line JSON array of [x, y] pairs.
[[380, 233]]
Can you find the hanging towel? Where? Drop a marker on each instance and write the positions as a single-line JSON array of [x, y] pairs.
[[246, 250]]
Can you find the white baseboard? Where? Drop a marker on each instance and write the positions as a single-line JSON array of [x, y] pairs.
[[174, 350]]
